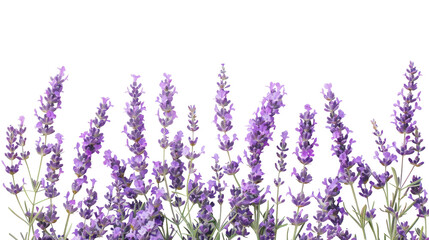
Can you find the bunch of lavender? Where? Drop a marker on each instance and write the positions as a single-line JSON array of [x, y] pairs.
[[134, 207], [305, 153], [50, 102]]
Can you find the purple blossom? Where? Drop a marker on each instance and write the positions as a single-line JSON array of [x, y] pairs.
[[418, 148], [340, 135], [306, 143], [386, 157], [165, 100], [403, 116], [298, 219], [260, 127], [177, 167], [216, 182], [92, 140], [50, 103], [134, 110], [15, 160], [223, 110]]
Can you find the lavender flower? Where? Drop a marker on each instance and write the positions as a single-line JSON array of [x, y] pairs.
[[260, 129], [165, 100], [134, 110], [12, 155], [177, 166], [281, 167], [50, 103], [223, 116], [91, 144], [340, 134], [387, 158], [403, 119]]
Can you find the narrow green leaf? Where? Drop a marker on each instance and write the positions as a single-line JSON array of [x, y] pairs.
[[18, 216], [10, 234]]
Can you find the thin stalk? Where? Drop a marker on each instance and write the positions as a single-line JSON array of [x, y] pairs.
[[358, 210], [37, 185]]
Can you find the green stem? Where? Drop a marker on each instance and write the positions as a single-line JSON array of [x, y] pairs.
[[36, 190], [358, 210]]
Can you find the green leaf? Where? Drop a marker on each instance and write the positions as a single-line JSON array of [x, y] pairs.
[[10, 234], [18, 216]]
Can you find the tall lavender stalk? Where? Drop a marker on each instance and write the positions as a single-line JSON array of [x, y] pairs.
[[91, 144], [49, 104], [223, 121], [406, 125], [305, 153], [342, 148], [278, 182], [161, 169]]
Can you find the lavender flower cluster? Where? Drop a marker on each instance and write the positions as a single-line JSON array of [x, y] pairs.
[[176, 202]]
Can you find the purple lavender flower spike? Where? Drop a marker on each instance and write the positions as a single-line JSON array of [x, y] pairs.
[[165, 100], [134, 110], [386, 157], [54, 168], [403, 119], [50, 103], [306, 143], [91, 140], [13, 142], [340, 134], [418, 148], [280, 167], [223, 110], [177, 166], [216, 180], [260, 127], [223, 122]]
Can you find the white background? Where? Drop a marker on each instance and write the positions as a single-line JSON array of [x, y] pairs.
[[362, 48]]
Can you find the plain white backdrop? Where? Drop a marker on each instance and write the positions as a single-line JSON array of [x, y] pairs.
[[361, 48]]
